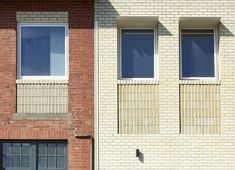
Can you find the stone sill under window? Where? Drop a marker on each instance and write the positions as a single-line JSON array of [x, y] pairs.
[[42, 116], [198, 82], [139, 82], [20, 81]]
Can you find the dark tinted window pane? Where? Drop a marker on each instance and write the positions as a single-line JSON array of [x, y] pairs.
[[42, 149], [25, 161], [52, 149], [137, 54], [60, 162], [60, 149], [42, 161], [42, 51], [7, 148], [16, 161], [7, 161], [51, 162], [196, 31], [16, 148], [25, 149], [198, 55]]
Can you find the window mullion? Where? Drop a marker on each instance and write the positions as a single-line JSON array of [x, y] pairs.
[[33, 156]]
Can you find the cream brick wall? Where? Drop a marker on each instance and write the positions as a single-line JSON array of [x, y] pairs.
[[41, 17], [168, 149]]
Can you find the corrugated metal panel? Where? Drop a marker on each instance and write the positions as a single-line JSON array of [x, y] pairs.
[[42, 97], [200, 108], [138, 109]]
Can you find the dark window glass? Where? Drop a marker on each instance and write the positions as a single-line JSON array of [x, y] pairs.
[[42, 161], [60, 162], [52, 149], [51, 155], [16, 161], [198, 53], [7, 161], [42, 51], [25, 161], [7, 149], [16, 155], [26, 148], [51, 162], [42, 149], [60, 149], [137, 52], [16, 148], [33, 156]]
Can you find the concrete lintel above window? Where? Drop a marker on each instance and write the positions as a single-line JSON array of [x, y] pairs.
[[137, 21], [199, 21]]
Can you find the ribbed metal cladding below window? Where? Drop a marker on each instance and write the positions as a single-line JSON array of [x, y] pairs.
[[200, 109], [42, 97], [138, 109]]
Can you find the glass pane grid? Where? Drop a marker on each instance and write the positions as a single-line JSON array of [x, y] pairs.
[[19, 156], [14, 155], [51, 155]]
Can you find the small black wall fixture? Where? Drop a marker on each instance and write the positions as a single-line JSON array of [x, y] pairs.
[[137, 153]]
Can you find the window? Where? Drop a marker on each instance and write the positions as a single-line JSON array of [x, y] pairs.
[[137, 54], [42, 51], [16, 155], [198, 56], [33, 155]]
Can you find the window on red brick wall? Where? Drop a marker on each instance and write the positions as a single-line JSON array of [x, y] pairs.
[[34, 155], [42, 51]]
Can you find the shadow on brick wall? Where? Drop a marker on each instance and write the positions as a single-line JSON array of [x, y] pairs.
[[224, 31], [163, 31], [106, 14]]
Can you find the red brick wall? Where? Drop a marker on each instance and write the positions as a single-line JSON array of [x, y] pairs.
[[81, 70]]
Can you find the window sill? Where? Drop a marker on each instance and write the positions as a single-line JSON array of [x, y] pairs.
[[42, 116], [215, 82], [137, 82], [20, 81]]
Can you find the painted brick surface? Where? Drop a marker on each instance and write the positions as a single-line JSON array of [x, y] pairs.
[[79, 14], [169, 149], [44, 17]]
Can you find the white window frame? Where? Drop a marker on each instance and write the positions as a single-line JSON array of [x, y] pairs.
[[215, 54], [19, 76], [154, 56]]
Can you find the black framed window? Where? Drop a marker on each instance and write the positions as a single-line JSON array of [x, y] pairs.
[[33, 155]]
